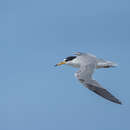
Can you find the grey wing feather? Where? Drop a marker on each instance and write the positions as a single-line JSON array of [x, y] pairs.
[[85, 77], [85, 72], [95, 87]]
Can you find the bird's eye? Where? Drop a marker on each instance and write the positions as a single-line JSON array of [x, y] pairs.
[[70, 58]]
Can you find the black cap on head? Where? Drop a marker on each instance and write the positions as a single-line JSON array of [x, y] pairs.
[[70, 58]]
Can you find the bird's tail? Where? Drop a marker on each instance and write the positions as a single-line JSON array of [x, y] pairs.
[[106, 64], [109, 64]]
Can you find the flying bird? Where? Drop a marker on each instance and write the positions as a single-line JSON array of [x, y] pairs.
[[87, 64]]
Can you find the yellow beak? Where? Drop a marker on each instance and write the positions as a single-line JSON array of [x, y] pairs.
[[61, 63]]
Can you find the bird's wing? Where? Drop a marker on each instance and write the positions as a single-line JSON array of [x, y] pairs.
[[78, 53], [84, 75], [95, 87]]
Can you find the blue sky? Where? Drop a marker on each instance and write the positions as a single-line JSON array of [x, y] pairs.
[[35, 35]]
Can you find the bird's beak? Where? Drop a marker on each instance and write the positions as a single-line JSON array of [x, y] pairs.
[[61, 63]]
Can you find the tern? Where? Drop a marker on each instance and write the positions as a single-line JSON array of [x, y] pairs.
[[87, 64]]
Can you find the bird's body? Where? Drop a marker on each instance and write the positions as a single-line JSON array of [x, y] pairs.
[[87, 58], [88, 64]]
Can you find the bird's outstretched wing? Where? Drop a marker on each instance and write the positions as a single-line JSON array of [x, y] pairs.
[[84, 75]]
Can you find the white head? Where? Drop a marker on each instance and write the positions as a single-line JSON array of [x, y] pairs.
[[71, 60]]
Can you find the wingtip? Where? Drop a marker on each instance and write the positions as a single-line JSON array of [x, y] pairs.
[[77, 53], [118, 102]]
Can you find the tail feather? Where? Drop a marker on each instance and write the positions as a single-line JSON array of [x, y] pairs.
[[109, 64], [106, 64]]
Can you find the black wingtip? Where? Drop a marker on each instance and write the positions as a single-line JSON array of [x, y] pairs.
[[120, 103], [117, 102]]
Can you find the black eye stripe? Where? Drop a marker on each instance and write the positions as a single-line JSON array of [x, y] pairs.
[[70, 58]]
